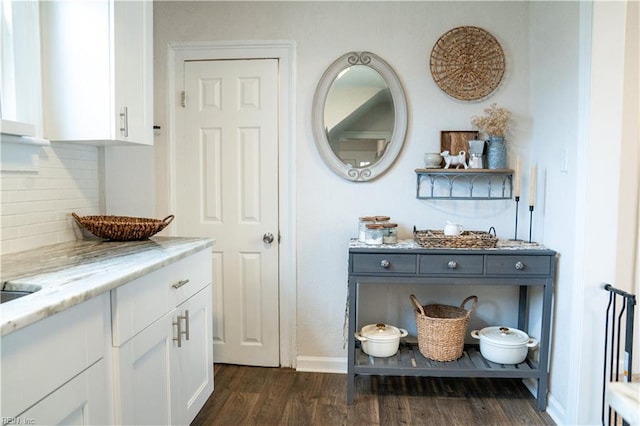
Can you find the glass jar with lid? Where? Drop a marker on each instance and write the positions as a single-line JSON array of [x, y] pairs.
[[390, 233], [382, 219], [374, 234], [362, 226]]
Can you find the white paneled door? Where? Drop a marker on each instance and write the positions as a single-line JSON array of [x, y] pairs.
[[227, 189]]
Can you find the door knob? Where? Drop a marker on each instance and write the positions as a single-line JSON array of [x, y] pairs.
[[268, 238]]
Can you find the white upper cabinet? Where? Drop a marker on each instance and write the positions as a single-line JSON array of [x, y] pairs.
[[98, 71]]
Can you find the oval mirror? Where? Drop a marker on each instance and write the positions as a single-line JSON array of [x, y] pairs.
[[359, 116]]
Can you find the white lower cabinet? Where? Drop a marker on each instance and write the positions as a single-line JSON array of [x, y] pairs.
[[55, 372], [143, 379], [194, 358], [81, 401], [164, 373], [139, 355]]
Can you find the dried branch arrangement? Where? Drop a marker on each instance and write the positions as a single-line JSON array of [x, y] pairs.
[[495, 122]]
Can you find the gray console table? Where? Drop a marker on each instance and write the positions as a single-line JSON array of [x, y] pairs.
[[407, 263]]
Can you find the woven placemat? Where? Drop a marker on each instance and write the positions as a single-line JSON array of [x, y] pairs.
[[467, 63]]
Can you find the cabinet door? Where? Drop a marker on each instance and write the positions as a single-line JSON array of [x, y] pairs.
[[144, 377], [97, 65], [45, 355], [195, 356], [77, 98], [133, 33], [84, 400]]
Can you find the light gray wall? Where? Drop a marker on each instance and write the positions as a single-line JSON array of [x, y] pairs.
[[547, 78], [554, 51], [402, 34]]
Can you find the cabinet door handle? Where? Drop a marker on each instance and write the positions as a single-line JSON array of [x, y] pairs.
[[180, 283], [178, 339], [124, 122], [186, 324], [519, 266], [452, 264], [385, 264]]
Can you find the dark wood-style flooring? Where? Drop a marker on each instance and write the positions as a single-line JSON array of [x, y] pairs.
[[282, 396]]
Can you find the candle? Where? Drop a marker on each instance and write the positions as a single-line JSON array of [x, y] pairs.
[[532, 187], [516, 180]]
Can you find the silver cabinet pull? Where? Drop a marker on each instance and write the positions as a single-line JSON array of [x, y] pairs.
[[385, 264], [519, 266], [452, 264], [180, 283], [268, 238], [186, 324], [182, 331], [124, 122], [178, 339]]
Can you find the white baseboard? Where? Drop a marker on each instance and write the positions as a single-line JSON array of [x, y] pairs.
[[554, 409], [316, 364]]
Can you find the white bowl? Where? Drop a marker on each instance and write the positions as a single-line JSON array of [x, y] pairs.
[[432, 160]]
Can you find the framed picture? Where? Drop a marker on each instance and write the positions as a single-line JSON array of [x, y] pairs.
[[455, 141]]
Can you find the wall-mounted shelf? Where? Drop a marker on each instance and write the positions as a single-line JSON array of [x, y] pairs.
[[464, 184]]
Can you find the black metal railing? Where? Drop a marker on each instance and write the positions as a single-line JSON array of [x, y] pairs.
[[613, 344]]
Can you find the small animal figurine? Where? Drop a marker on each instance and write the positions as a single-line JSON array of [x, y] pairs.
[[455, 160]]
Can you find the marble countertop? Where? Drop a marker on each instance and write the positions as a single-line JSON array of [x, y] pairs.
[[70, 273]]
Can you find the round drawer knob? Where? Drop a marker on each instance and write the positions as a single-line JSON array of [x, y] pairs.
[[452, 264], [519, 266], [385, 264]]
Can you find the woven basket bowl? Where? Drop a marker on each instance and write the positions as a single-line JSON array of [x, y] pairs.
[[122, 228]]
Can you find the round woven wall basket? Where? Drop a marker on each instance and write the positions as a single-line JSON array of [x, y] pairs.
[[467, 63]]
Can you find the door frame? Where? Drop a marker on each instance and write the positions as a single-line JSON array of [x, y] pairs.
[[284, 51]]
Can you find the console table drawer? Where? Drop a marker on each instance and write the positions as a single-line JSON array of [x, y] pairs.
[[384, 263], [515, 264], [451, 264]]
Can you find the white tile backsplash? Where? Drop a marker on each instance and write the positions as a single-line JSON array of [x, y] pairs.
[[36, 206]]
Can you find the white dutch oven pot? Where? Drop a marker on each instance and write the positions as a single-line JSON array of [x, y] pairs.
[[504, 345], [380, 340]]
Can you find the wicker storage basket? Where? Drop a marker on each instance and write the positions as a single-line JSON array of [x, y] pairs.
[[468, 239], [441, 328], [122, 228]]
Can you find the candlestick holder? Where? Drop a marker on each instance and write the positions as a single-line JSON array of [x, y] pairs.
[[530, 221], [515, 234]]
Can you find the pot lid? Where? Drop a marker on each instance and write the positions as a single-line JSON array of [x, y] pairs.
[[381, 332], [505, 336]]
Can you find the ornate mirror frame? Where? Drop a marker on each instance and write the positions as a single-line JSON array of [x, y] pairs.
[[359, 174]]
